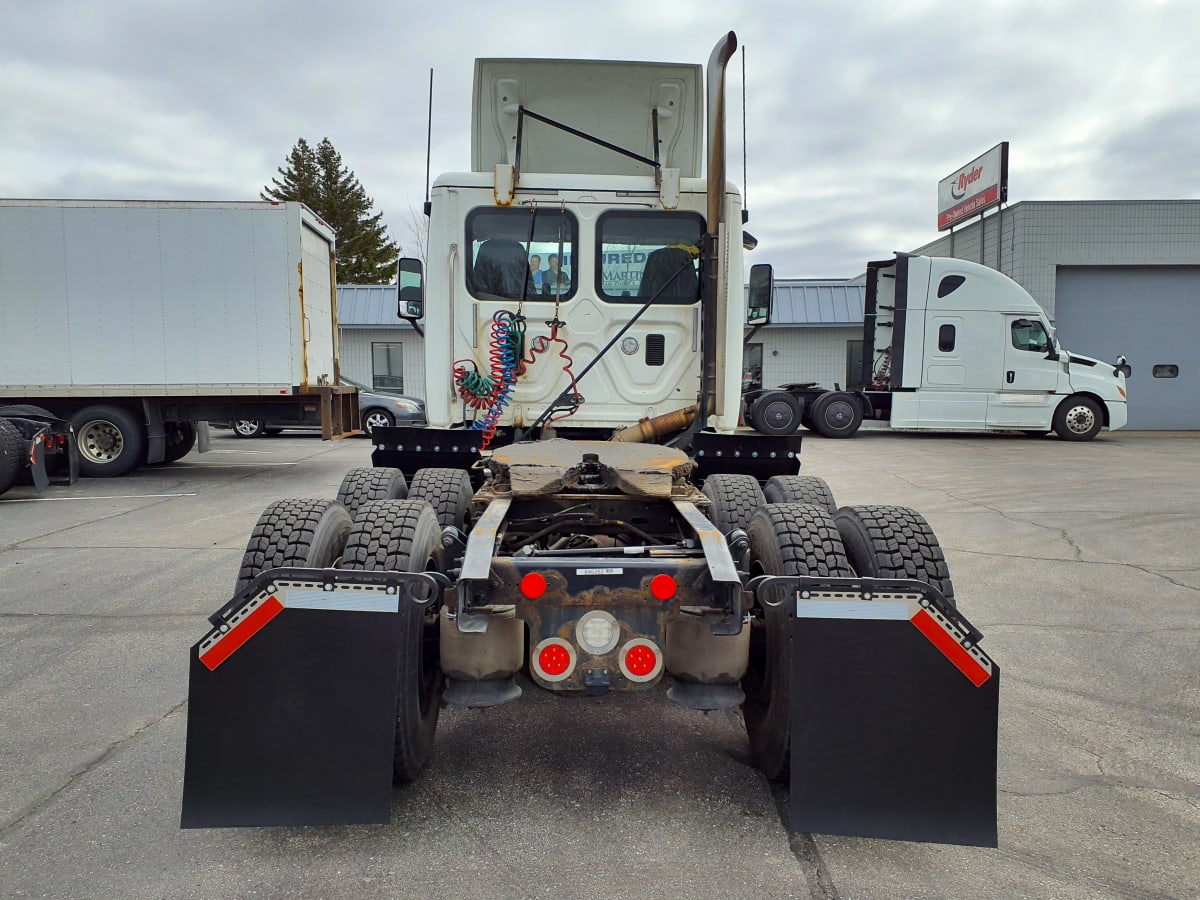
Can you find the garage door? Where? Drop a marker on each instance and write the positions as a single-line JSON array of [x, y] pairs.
[[1152, 315]]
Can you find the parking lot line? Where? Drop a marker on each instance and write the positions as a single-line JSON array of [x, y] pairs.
[[104, 497]]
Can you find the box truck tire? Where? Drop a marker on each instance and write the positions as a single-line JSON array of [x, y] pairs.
[[1078, 418], [404, 536], [12, 451], [785, 539], [181, 438], [112, 441]]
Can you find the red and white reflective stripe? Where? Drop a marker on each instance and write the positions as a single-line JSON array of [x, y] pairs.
[[951, 648], [232, 640]]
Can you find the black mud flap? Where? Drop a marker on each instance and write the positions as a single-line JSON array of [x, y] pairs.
[[894, 714], [292, 700]]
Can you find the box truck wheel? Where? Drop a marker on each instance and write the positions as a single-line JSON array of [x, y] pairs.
[[776, 412], [364, 485], [181, 438], [800, 489], [308, 533], [734, 499], [785, 539], [404, 536], [12, 454], [448, 491], [1078, 418], [893, 542], [836, 414], [112, 441]]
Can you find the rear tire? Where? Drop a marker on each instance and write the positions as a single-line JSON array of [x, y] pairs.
[[836, 414], [181, 438], [893, 542], [403, 536], [26, 409], [364, 485], [1078, 418], [785, 539], [800, 489], [776, 413], [12, 454], [734, 499], [302, 533], [448, 491], [112, 441]]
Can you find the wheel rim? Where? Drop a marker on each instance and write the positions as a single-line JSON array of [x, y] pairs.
[[376, 420], [246, 427], [777, 413], [1080, 419], [100, 441], [839, 414]]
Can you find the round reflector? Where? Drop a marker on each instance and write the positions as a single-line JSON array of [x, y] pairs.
[[554, 659], [641, 660], [662, 587], [533, 585]]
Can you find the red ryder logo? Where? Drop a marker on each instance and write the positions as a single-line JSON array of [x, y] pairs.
[[958, 190]]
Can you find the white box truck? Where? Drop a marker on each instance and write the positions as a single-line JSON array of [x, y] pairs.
[[135, 320], [954, 345]]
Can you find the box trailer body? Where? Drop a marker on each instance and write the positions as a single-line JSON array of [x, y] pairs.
[[583, 514], [954, 345], [172, 311]]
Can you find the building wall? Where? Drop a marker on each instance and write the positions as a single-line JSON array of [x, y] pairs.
[[356, 355], [805, 353], [1038, 237]]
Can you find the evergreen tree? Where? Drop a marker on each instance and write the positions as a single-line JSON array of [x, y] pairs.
[[320, 180]]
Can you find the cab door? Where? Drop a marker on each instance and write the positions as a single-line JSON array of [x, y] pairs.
[[1027, 395]]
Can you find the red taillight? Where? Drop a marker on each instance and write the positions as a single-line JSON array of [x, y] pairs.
[[61, 440], [641, 660], [662, 587], [553, 660], [533, 585]]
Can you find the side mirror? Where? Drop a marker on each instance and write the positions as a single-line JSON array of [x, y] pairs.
[[1122, 367], [410, 292], [762, 286]]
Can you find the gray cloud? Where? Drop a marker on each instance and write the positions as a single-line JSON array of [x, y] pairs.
[[854, 109]]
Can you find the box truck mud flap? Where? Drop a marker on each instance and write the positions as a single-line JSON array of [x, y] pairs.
[[894, 712], [292, 700]]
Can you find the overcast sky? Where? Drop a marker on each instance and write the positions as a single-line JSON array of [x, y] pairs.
[[855, 108]]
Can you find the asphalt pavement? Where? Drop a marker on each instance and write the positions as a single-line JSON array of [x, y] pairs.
[[1078, 562]]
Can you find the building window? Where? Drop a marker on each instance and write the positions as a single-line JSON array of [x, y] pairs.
[[387, 367], [946, 338]]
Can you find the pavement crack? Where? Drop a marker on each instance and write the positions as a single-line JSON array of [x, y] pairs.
[[1078, 559], [87, 766]]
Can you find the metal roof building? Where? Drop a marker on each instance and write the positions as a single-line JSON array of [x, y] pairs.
[[817, 302], [369, 306]]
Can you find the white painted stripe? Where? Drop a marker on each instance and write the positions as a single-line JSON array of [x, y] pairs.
[[103, 497], [853, 609], [245, 465], [345, 601]]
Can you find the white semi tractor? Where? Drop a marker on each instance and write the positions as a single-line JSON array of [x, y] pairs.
[[583, 515], [134, 320], [954, 345]]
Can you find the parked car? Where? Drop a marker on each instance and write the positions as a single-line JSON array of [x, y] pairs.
[[377, 408]]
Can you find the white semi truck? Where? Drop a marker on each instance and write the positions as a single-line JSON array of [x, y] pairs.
[[955, 345], [134, 320], [583, 514]]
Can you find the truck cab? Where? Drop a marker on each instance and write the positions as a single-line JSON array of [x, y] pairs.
[[958, 345]]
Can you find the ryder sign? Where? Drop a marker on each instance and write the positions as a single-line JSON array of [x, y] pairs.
[[980, 184]]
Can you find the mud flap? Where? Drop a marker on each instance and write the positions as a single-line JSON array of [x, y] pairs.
[[292, 700], [894, 715]]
